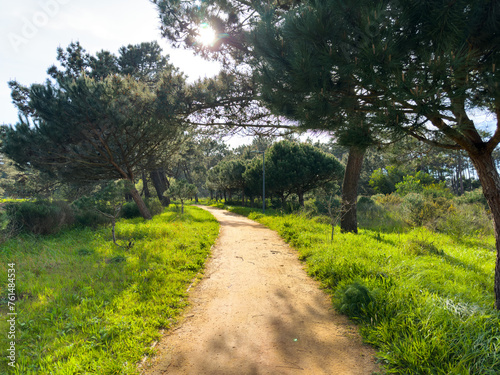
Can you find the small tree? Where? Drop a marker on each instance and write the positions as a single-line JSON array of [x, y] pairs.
[[182, 190], [108, 201]]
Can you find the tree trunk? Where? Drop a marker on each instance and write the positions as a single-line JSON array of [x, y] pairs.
[[161, 184], [460, 173], [301, 198], [145, 187], [140, 204], [242, 197], [348, 219], [490, 181]]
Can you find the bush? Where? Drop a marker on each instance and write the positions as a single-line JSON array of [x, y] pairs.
[[363, 200], [321, 203], [352, 298], [381, 212], [89, 218], [388, 199], [424, 183], [418, 209], [39, 217], [437, 190], [467, 220], [474, 196], [130, 209]]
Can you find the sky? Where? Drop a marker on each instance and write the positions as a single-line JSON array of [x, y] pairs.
[[32, 30]]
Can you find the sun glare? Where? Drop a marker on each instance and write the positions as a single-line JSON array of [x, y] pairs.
[[206, 35]]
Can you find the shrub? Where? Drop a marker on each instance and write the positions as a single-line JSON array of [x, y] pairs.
[[369, 213], [474, 196], [130, 209], [388, 199], [154, 206], [352, 298], [39, 217], [467, 220], [410, 184], [437, 190], [365, 201], [321, 203], [422, 182], [418, 209], [89, 218], [384, 180]]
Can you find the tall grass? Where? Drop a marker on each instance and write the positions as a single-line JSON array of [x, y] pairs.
[[86, 306], [424, 299]]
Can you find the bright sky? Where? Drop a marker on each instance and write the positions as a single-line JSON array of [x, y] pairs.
[[31, 31]]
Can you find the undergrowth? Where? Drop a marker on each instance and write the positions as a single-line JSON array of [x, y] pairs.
[[424, 299], [86, 306]]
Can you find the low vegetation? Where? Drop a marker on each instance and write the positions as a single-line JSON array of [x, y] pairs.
[[423, 294], [86, 306]]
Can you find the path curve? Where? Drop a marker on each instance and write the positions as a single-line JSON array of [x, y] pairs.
[[256, 312]]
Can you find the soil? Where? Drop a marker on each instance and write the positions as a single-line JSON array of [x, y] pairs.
[[257, 312]]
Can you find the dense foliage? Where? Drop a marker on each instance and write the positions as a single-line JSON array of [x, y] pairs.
[[290, 168], [101, 118]]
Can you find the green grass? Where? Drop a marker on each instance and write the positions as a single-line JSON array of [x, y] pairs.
[[86, 306], [424, 299]]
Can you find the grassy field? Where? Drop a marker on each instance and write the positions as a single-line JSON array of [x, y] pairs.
[[86, 306], [424, 299]]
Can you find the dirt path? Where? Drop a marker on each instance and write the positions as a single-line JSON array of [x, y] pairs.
[[257, 312]]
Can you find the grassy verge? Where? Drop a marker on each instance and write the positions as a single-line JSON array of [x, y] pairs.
[[85, 306], [424, 299]]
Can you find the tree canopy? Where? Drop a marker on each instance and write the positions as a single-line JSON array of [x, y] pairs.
[[417, 68], [291, 168], [82, 128]]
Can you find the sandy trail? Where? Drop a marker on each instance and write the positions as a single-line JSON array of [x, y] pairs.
[[257, 312]]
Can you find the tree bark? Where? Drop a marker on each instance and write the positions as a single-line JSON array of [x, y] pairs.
[[140, 204], [161, 184], [145, 187], [460, 174], [490, 181], [348, 219], [301, 199]]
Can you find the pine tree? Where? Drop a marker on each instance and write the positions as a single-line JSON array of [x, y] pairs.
[[413, 67], [83, 129]]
